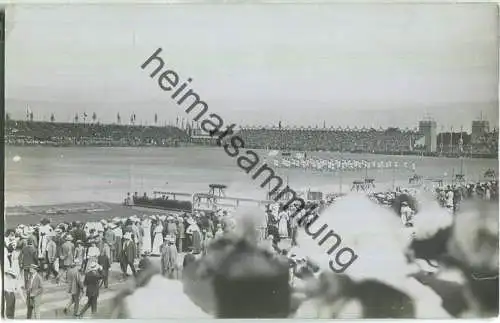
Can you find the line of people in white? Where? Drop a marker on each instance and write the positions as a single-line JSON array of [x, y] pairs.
[[340, 164]]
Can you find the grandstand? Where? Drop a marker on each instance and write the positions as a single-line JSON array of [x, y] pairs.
[[368, 140], [95, 134], [354, 140]]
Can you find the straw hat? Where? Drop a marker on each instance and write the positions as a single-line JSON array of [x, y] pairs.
[[69, 237]]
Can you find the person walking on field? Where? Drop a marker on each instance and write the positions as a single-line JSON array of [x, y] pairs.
[[128, 255], [169, 258], [67, 254], [50, 257], [34, 291], [75, 287], [105, 262], [92, 283], [28, 258]]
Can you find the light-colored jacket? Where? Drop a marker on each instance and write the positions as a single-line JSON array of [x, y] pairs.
[[67, 253], [51, 251]]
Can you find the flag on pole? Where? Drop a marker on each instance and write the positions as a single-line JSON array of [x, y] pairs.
[[451, 139], [461, 140]]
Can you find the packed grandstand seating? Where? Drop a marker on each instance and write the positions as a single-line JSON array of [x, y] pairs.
[[368, 140], [487, 143], [22, 132], [391, 140]]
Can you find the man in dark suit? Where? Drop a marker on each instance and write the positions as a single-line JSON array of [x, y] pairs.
[[128, 254], [34, 291], [92, 282], [104, 261]]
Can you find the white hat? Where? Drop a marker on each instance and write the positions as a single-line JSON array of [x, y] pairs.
[[93, 266]]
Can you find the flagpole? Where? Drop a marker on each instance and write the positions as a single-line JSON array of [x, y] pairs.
[[451, 140]]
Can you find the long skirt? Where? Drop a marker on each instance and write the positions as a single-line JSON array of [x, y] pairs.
[[157, 242], [146, 242], [283, 228]]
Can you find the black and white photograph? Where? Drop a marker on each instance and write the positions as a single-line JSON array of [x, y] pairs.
[[237, 159]]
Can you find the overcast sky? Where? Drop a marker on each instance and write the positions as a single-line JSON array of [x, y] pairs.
[[372, 65]]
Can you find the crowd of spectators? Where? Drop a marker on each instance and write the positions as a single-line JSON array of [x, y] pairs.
[[50, 133], [391, 140], [232, 269], [488, 143], [366, 140]]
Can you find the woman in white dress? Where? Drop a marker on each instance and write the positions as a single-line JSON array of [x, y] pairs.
[[146, 239], [283, 225], [157, 238]]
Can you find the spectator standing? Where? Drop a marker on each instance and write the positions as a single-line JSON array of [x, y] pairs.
[[11, 287], [27, 259], [181, 234], [109, 237], [75, 287], [92, 253], [34, 291], [51, 257], [128, 255], [104, 261], [91, 283], [169, 258], [67, 254], [79, 254]]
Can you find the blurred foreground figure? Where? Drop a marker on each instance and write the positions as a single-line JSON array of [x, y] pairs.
[[236, 279], [473, 250]]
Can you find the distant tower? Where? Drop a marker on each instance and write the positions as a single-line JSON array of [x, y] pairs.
[[479, 129], [428, 129]]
